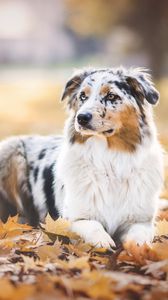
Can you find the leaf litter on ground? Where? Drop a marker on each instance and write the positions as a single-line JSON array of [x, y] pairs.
[[54, 262]]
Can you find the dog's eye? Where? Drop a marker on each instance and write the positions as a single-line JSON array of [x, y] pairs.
[[83, 96], [110, 97]]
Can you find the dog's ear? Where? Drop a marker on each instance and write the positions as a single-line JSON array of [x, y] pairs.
[[73, 84], [142, 86]]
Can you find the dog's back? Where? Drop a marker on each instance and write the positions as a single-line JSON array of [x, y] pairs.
[[13, 174], [26, 177]]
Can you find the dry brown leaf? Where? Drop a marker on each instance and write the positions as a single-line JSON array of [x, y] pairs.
[[49, 253], [76, 269], [79, 249], [157, 269], [137, 254], [92, 284], [81, 263]]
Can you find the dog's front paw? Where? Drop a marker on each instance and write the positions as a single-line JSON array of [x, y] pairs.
[[93, 233], [100, 239], [140, 234]]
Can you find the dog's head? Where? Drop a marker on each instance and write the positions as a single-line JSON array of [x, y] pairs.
[[111, 103]]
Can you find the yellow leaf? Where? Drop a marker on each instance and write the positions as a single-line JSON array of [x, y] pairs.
[[6, 289], [162, 227], [79, 249], [9, 291], [50, 253], [79, 263], [58, 227], [7, 244], [12, 227], [161, 249]]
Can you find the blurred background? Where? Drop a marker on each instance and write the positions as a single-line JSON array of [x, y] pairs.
[[41, 42]]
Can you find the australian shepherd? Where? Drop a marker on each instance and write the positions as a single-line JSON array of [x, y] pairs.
[[104, 174]]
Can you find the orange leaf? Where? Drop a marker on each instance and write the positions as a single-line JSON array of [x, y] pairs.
[[137, 254]]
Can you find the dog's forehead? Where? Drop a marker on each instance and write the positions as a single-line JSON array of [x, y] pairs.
[[101, 78]]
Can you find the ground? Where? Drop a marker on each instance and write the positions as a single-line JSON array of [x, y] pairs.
[[52, 262]]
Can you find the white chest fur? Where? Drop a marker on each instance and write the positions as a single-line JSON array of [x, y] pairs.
[[114, 188]]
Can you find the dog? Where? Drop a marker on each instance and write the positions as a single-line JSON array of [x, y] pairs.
[[104, 174]]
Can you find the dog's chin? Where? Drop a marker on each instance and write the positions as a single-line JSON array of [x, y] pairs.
[[85, 131], [92, 131]]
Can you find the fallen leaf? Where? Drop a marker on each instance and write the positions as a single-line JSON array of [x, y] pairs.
[[50, 253], [12, 228], [161, 249], [60, 227], [162, 227], [137, 254]]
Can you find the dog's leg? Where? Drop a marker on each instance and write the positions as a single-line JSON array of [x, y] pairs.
[[93, 233], [140, 233]]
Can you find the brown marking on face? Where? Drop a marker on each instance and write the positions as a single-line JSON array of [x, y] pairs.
[[87, 90], [105, 89], [74, 101], [127, 136]]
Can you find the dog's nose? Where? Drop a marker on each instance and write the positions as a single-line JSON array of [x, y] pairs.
[[84, 119]]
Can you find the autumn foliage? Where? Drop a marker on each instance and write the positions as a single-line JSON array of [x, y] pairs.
[[54, 263]]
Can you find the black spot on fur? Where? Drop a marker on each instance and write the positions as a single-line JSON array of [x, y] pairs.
[[35, 173], [54, 147], [6, 208], [142, 78], [102, 115], [30, 211], [138, 96], [48, 177], [152, 97], [31, 166], [123, 86], [72, 139], [42, 154]]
